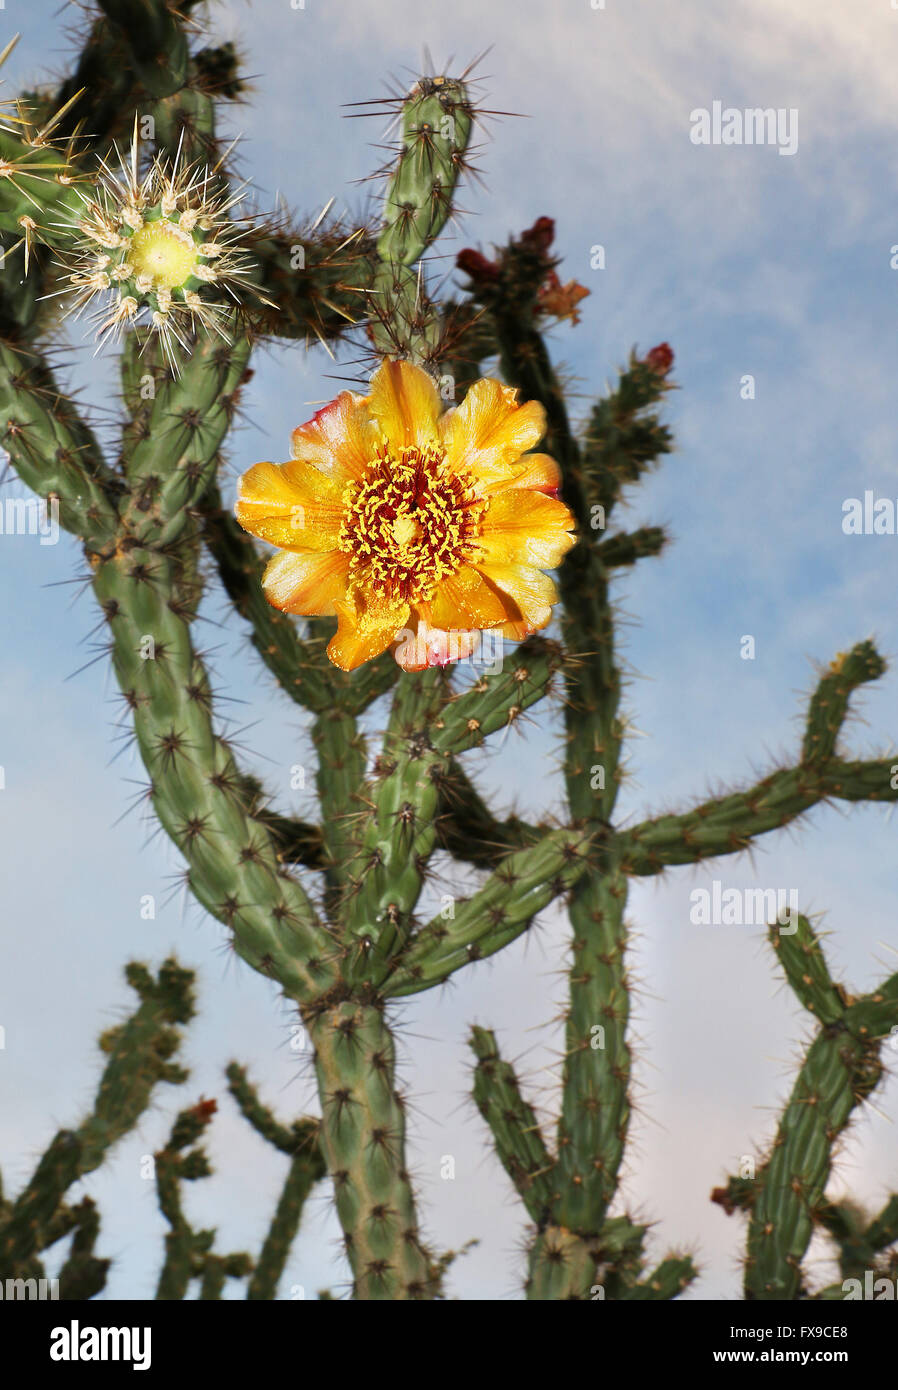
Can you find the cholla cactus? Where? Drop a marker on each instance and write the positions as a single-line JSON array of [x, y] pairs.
[[432, 508]]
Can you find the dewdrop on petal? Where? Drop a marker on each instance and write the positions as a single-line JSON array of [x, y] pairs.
[[160, 250]]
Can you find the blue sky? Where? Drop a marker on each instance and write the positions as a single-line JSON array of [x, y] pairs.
[[748, 263]]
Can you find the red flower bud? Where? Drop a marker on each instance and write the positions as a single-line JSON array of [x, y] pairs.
[[477, 266], [540, 236], [660, 358]]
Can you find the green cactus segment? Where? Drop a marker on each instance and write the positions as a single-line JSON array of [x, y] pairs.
[[436, 126], [342, 760], [626, 547], [883, 1230], [498, 698], [21, 1234], [172, 463], [595, 1108], [188, 1253], [801, 956], [728, 824], [624, 438], [836, 1075], [52, 451], [398, 834], [301, 1178], [519, 1144], [39, 190], [139, 1053], [149, 600], [562, 1267], [471, 929], [83, 1274], [318, 277], [300, 1141], [860, 1242], [829, 704], [196, 786], [363, 1137], [841, 1069], [153, 32], [669, 1280]]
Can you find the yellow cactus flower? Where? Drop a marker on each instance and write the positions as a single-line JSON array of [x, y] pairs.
[[418, 528]]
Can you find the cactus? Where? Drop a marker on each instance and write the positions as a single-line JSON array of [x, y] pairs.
[[147, 229]]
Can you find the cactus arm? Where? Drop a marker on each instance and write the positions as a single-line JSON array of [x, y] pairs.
[[623, 437], [301, 1178], [516, 1133], [83, 1274], [21, 1234], [626, 547], [497, 699], [498, 912], [196, 786], [435, 128], [669, 1280], [319, 299], [52, 451], [595, 1104], [730, 824], [793, 1180], [828, 707], [139, 1057], [234, 867], [398, 833], [139, 1053], [363, 1137], [342, 761], [804, 965], [841, 1068], [883, 1230], [188, 1253], [300, 1142], [156, 40]]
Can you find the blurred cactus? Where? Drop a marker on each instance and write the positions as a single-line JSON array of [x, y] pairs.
[[342, 951]]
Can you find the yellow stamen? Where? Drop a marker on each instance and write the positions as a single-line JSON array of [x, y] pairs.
[[409, 522]]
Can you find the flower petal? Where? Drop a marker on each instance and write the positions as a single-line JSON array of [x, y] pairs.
[[538, 472], [291, 505], [340, 440], [489, 431], [363, 632], [423, 645], [309, 582], [466, 600], [405, 403], [524, 527], [517, 631], [527, 593]]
